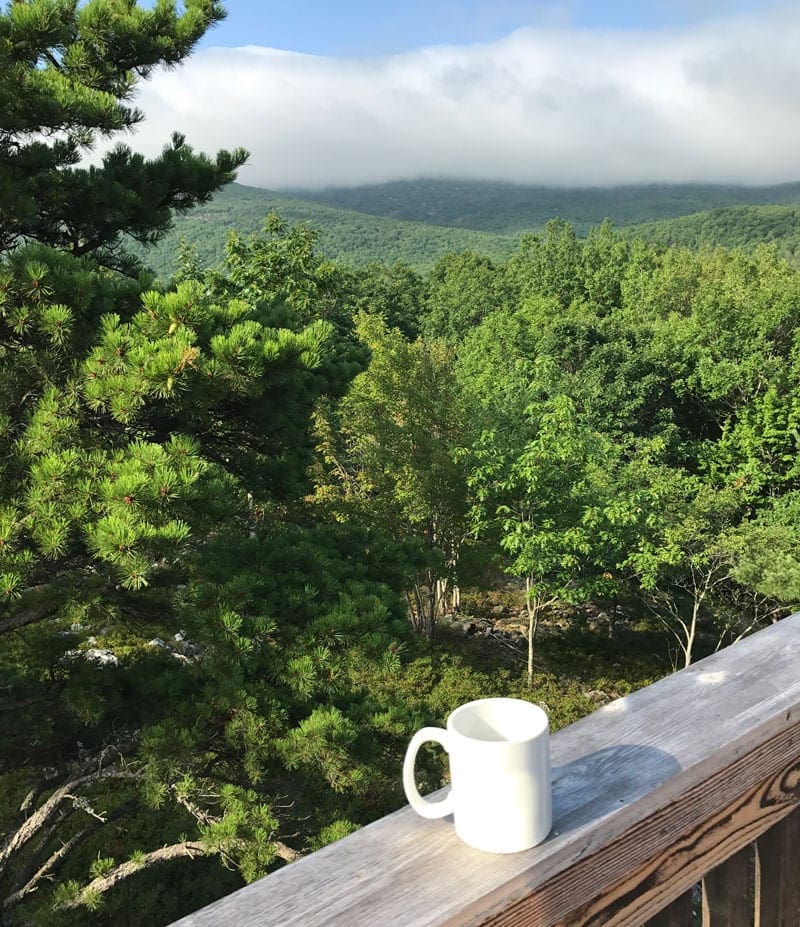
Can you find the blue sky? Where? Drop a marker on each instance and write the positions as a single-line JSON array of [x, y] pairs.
[[362, 28]]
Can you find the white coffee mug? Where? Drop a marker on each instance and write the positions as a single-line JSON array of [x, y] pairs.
[[499, 753]]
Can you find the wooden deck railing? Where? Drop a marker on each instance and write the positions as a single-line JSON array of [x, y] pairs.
[[695, 779]]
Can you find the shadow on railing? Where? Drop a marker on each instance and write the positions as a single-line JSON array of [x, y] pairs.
[[693, 780]]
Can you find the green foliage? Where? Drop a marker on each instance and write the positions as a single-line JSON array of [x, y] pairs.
[[461, 290], [682, 366], [325, 738], [507, 208], [604, 258], [222, 500], [549, 265], [544, 493], [549, 497], [394, 293], [67, 73], [138, 857], [389, 456], [335, 831], [66, 891], [744, 227], [347, 237], [101, 866], [419, 222], [766, 553]]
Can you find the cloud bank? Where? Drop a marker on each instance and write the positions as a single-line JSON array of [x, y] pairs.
[[719, 102]]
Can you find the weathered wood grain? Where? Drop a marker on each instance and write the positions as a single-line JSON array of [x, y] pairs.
[[677, 914], [778, 875], [729, 891], [684, 772], [703, 827]]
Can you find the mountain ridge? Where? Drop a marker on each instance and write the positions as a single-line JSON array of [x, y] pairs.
[[357, 238], [509, 208], [344, 235]]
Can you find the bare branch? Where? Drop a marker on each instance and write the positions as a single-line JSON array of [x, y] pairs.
[[80, 804], [201, 816], [286, 852], [23, 619], [33, 883], [190, 848], [45, 812]]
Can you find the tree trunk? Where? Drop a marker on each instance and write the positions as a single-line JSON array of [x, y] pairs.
[[534, 609], [441, 594], [691, 634], [423, 612]]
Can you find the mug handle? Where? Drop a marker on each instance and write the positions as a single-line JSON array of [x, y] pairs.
[[428, 809]]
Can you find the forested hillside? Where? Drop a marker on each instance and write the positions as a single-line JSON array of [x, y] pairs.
[[262, 521], [744, 227], [509, 209], [346, 236], [502, 210]]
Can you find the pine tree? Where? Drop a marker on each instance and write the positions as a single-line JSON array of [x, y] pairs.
[[172, 623], [68, 72]]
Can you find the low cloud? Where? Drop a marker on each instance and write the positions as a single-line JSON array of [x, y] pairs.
[[718, 102]]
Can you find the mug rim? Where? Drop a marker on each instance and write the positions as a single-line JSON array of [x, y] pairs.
[[543, 726]]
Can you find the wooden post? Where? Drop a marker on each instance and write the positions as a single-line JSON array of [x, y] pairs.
[[678, 914], [728, 892], [778, 874]]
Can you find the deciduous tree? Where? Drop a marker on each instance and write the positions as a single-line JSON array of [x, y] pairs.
[[544, 495], [392, 451]]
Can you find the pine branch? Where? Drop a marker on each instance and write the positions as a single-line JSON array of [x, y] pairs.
[[102, 884], [282, 850], [52, 582], [80, 803]]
